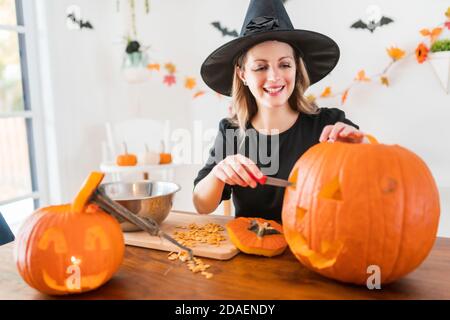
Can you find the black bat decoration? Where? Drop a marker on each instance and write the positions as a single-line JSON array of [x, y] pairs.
[[224, 30], [81, 23], [372, 25]]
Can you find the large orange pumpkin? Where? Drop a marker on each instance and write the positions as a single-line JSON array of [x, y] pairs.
[[69, 248], [358, 205]]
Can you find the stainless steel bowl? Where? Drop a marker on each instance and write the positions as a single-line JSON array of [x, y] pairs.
[[152, 199]]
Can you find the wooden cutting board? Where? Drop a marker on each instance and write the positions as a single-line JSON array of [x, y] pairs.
[[225, 251]]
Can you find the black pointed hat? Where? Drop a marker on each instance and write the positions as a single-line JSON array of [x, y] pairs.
[[268, 20]]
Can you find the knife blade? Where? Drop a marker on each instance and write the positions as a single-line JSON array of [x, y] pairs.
[[276, 182], [272, 181]]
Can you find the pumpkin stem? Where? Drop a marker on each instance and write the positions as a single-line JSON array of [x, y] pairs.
[[85, 193], [125, 148], [371, 138], [262, 229]]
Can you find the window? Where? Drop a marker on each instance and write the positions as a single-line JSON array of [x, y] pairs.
[[19, 186]]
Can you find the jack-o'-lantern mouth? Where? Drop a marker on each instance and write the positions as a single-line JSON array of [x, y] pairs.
[[54, 240], [75, 282], [323, 258]]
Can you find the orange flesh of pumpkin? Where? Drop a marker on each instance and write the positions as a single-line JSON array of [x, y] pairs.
[[247, 241], [85, 193]]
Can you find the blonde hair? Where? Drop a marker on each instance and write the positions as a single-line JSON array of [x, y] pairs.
[[243, 104]]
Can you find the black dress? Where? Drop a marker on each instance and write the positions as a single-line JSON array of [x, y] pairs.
[[275, 155], [6, 234]]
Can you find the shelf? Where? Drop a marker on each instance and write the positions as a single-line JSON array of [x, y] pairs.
[[110, 167]]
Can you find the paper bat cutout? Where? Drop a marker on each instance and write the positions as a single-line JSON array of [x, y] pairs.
[[225, 31], [371, 25], [82, 24], [372, 19]]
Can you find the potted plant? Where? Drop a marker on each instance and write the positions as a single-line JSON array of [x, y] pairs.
[[134, 64], [439, 58], [135, 59]]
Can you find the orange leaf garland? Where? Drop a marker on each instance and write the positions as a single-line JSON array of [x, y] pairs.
[[311, 98], [395, 53], [344, 96], [433, 34], [198, 94], [190, 83], [170, 67], [153, 66], [326, 92], [425, 32], [361, 76], [169, 80], [421, 52], [384, 80]]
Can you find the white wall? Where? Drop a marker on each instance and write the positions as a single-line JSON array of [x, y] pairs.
[[88, 89]]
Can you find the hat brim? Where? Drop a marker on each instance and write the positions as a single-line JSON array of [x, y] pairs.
[[319, 52]]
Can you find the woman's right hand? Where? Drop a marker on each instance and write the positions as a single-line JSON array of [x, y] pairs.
[[234, 170]]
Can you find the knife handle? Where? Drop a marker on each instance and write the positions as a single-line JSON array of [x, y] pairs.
[[261, 180]]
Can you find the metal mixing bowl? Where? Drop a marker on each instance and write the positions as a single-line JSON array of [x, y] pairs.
[[152, 199]]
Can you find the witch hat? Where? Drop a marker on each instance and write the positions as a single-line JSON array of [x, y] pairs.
[[268, 20]]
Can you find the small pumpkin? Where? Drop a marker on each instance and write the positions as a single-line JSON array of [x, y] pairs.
[[257, 236], [149, 157], [164, 157], [126, 159], [70, 248], [354, 206]]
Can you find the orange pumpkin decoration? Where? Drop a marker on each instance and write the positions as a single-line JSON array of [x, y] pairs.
[[257, 236], [358, 205], [165, 158], [69, 248], [126, 159]]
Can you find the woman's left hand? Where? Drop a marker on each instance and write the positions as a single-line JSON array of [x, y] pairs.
[[341, 132]]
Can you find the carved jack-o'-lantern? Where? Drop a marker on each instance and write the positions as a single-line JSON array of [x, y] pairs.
[[69, 248], [360, 205]]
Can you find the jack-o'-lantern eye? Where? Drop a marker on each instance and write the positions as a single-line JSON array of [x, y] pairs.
[[96, 235], [331, 190], [53, 237]]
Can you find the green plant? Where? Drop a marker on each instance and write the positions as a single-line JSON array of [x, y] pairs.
[[441, 45]]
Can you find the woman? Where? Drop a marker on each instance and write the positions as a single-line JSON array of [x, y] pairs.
[[266, 70]]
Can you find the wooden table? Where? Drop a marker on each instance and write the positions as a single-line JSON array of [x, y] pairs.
[[148, 274]]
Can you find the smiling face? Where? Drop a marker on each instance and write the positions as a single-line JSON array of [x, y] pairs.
[[269, 70]]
